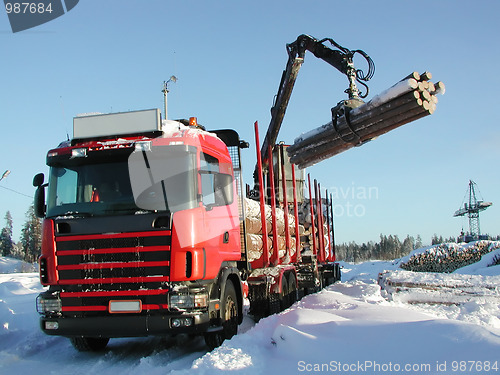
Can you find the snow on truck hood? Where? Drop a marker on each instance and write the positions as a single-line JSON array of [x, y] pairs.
[[174, 129]]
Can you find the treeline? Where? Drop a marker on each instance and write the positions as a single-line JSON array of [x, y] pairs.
[[388, 248], [29, 245]]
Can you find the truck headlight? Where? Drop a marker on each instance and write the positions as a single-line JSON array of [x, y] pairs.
[[181, 301], [46, 305], [189, 300]]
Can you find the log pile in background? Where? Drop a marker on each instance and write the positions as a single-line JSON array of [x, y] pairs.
[[410, 99], [448, 257], [438, 288]]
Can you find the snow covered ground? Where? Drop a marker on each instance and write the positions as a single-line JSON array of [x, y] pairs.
[[349, 327], [9, 265]]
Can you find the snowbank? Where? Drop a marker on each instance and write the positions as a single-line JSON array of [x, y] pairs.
[[483, 267], [349, 327], [11, 265], [347, 324]]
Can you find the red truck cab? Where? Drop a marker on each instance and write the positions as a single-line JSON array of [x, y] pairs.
[[141, 231]]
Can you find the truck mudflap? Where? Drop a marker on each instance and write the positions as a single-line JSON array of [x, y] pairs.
[[330, 273], [126, 326]]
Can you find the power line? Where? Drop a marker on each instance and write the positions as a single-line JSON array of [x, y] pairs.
[[17, 192]]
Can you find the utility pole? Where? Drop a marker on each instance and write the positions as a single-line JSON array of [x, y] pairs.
[[165, 91]]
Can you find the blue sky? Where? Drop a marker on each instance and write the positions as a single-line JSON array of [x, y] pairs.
[[113, 55]]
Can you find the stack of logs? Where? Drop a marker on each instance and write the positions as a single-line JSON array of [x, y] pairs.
[[253, 225], [448, 257], [410, 99], [306, 238]]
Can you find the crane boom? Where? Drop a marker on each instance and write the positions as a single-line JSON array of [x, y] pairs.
[[341, 59]]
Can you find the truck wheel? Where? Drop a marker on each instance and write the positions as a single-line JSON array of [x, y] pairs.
[[89, 344], [214, 339], [321, 282], [274, 303], [292, 288], [284, 295], [230, 311], [229, 316]]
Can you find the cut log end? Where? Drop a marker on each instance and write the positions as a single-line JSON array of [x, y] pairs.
[[426, 76], [413, 75], [440, 88]]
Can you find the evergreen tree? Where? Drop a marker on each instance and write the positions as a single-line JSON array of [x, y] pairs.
[[435, 240], [418, 243], [31, 237], [6, 243], [408, 245], [17, 251]]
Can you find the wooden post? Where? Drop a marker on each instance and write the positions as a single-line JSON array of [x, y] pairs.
[[321, 234], [275, 258], [297, 256], [285, 201], [265, 250], [327, 203], [333, 258], [313, 234]]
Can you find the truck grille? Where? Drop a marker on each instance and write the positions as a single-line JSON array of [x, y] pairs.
[[95, 269]]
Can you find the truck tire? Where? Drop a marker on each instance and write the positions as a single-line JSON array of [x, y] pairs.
[[229, 317], [292, 289], [89, 344], [274, 303], [284, 295], [214, 339], [321, 282]]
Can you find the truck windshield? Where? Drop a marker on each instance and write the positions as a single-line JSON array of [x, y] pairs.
[[92, 189], [97, 187]]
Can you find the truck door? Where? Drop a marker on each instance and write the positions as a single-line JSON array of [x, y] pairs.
[[221, 217]]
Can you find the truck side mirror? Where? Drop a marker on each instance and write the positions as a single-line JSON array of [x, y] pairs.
[[38, 179], [39, 201]]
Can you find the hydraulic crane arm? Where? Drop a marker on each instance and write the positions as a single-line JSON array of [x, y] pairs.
[[341, 59]]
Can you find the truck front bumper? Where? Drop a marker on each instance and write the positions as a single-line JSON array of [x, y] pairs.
[[125, 325]]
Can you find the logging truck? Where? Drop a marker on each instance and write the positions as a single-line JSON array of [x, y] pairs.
[[147, 222], [144, 229], [144, 234]]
